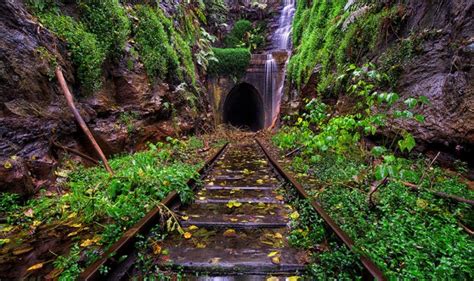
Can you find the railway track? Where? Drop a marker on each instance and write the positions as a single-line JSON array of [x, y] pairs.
[[236, 226]]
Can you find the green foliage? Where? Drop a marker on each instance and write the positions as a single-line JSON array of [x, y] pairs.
[[163, 51], [323, 34], [238, 33], [153, 43], [40, 6], [108, 20], [117, 202], [340, 134], [409, 235], [244, 35], [9, 202], [216, 11], [87, 53], [232, 62]]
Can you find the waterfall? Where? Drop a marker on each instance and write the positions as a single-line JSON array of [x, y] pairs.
[[282, 34], [281, 42]]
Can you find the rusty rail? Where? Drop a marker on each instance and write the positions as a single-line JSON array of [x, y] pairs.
[[369, 266], [125, 244]]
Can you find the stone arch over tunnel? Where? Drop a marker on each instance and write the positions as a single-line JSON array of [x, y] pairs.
[[244, 108]]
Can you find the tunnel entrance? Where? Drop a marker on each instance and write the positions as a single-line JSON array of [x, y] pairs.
[[243, 108]]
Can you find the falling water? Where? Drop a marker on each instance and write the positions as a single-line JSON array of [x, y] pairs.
[[281, 42], [270, 68], [282, 34]]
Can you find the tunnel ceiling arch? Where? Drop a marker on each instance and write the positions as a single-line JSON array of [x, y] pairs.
[[244, 108]]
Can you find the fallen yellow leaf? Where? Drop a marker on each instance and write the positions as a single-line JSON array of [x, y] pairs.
[[193, 227], [185, 218], [278, 235], [295, 215], [276, 260], [6, 229], [279, 197], [260, 181], [4, 241], [200, 245], [72, 215], [76, 225], [74, 233], [156, 249], [87, 243], [293, 278], [230, 233], [234, 220], [35, 267], [187, 235], [272, 279], [272, 254]]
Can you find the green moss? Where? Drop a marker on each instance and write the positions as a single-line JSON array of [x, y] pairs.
[[162, 49], [232, 62], [108, 20], [320, 40], [86, 52], [153, 43]]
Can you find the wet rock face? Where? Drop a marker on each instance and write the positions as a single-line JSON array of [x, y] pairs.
[[24, 49], [123, 115], [15, 176], [443, 72]]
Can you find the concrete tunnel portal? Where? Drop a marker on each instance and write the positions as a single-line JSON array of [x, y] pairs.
[[244, 109]]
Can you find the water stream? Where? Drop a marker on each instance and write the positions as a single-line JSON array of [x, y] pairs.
[[281, 42]]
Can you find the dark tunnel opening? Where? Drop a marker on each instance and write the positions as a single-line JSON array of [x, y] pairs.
[[243, 108]]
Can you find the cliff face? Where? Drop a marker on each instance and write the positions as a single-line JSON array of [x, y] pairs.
[[127, 112], [431, 46], [443, 71]]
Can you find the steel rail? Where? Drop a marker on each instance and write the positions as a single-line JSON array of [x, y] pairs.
[[125, 244], [369, 266]]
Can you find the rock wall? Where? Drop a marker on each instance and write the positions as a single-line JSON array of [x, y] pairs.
[[441, 69], [124, 115]]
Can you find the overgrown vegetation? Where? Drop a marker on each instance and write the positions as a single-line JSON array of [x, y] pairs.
[[108, 204], [408, 234], [104, 28], [108, 20], [86, 51], [327, 35], [232, 62], [245, 35]]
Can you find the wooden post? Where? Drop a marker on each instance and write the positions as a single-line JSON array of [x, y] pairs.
[[82, 124]]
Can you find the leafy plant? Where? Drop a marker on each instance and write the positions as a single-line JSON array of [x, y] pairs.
[[87, 54], [232, 62], [108, 20]]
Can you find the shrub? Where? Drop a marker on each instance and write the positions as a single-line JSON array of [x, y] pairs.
[[87, 54], [230, 61], [108, 20], [238, 33]]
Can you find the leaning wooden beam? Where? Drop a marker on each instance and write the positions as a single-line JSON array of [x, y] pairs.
[[80, 121]]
